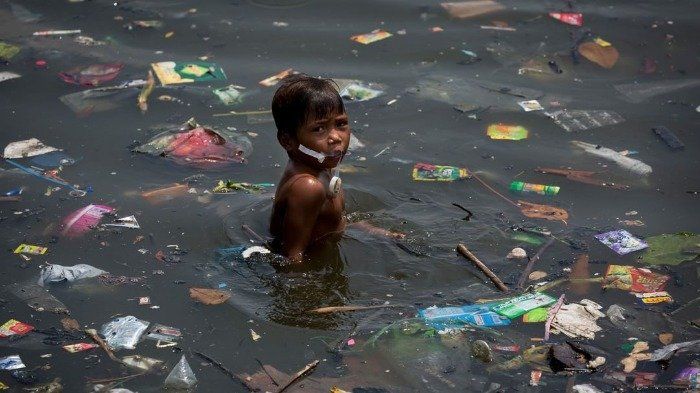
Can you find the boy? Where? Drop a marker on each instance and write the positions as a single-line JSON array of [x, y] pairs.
[[313, 128]]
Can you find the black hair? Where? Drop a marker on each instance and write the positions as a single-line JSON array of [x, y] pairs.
[[300, 98]]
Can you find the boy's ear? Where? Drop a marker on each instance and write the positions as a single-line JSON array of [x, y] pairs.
[[287, 141]]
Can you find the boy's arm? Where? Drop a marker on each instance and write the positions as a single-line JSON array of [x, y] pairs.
[[304, 203], [376, 231]]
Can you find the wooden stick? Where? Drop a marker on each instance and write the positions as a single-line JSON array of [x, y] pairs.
[[480, 265], [531, 263], [12, 198], [234, 113], [96, 338], [552, 313], [116, 379], [218, 365], [262, 367], [142, 99], [252, 233], [307, 369], [328, 310]]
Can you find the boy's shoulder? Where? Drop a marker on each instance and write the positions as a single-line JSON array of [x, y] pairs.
[[304, 188]]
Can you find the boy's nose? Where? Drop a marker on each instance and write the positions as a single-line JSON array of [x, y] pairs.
[[334, 136]]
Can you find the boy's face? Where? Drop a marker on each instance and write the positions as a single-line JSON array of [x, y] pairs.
[[329, 135]]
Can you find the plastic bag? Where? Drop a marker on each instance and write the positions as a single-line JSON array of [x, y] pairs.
[[578, 320], [58, 273], [181, 377], [124, 332], [26, 148], [195, 145], [666, 352]]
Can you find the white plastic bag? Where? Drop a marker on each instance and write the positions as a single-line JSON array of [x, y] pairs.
[[181, 377], [124, 332], [58, 273]]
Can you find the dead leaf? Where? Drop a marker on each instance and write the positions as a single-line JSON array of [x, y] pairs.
[[534, 210], [268, 379], [70, 324], [537, 275], [666, 338], [639, 347], [630, 362], [467, 9], [604, 56], [209, 296], [632, 223]]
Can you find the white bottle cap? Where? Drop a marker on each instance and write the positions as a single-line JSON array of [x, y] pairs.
[[335, 185]]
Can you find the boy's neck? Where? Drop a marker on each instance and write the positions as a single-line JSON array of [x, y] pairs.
[[302, 167]]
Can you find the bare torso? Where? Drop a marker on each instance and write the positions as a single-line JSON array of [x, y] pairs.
[[330, 220]]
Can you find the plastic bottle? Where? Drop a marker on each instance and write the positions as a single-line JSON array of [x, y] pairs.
[[479, 315], [538, 188], [429, 172]]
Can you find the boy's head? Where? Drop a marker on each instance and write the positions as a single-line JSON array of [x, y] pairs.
[[309, 111]]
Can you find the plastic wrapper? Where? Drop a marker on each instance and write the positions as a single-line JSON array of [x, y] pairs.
[[517, 306], [86, 102], [689, 376], [374, 36], [586, 388], [634, 279], [12, 362], [142, 363], [171, 72], [91, 75], [581, 120], [26, 148], [447, 318], [621, 241], [495, 96], [429, 172], [8, 51], [181, 377], [124, 332], [58, 273], [81, 221], [638, 92], [355, 90]]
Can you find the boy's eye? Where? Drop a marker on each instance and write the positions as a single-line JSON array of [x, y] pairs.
[[319, 129]]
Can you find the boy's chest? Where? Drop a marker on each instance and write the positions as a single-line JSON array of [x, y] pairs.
[[331, 216]]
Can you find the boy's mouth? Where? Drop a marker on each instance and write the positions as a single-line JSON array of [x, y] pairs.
[[335, 153]]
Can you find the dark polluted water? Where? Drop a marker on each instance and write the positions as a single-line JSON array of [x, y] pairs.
[[611, 90]]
